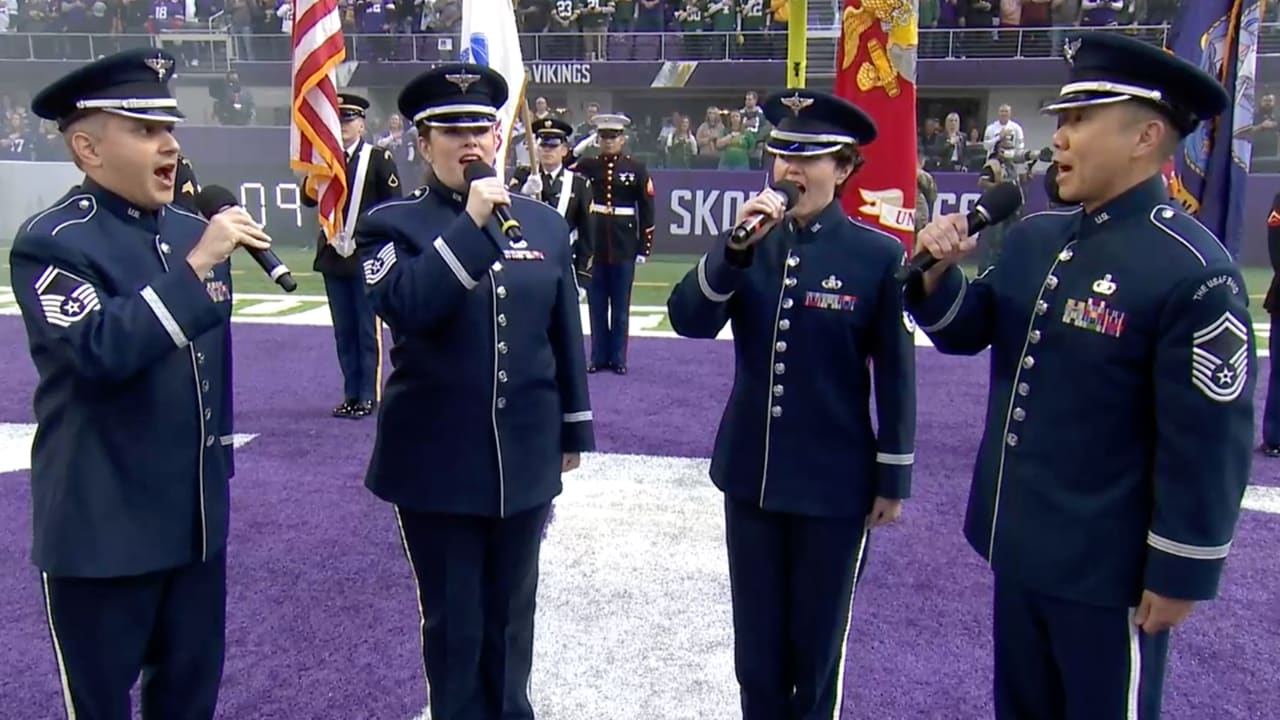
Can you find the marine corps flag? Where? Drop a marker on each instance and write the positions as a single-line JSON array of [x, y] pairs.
[[1210, 166], [876, 70]]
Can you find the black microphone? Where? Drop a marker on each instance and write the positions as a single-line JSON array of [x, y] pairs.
[[994, 207], [790, 194], [212, 200], [478, 170]]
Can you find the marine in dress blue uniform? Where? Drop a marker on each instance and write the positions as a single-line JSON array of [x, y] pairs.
[[357, 332], [621, 232], [133, 446], [487, 395], [813, 305], [1118, 435]]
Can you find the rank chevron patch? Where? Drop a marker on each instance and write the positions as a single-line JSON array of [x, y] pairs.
[[1219, 358]]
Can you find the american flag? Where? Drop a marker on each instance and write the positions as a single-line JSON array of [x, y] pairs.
[[315, 135]]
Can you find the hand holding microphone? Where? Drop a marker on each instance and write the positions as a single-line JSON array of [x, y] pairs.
[[759, 214], [487, 198], [229, 227], [950, 237]]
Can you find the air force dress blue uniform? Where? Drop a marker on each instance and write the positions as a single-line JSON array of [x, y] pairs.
[[488, 390], [812, 305], [133, 446], [357, 332], [1119, 428]]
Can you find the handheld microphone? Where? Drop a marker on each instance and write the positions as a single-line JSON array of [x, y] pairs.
[[212, 200], [994, 207], [790, 194], [478, 170]]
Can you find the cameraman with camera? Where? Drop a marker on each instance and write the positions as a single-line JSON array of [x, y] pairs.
[[1006, 163]]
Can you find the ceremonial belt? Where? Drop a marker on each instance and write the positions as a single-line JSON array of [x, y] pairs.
[[599, 209]]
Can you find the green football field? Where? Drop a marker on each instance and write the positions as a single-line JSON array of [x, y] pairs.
[[653, 279]]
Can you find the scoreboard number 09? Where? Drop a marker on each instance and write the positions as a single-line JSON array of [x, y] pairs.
[[285, 197]]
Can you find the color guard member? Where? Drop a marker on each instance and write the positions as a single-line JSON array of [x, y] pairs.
[[621, 231], [372, 178]]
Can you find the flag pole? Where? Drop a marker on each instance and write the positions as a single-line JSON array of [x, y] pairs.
[[534, 165], [797, 29]]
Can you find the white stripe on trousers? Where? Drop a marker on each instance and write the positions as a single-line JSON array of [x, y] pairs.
[[1135, 667], [848, 625]]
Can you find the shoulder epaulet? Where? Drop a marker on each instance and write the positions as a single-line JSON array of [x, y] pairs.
[[70, 211], [179, 210], [1190, 234], [413, 197]]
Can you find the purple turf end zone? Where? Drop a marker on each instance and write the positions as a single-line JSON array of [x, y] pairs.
[[322, 619]]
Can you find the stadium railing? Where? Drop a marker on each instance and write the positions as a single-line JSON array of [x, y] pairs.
[[216, 48]]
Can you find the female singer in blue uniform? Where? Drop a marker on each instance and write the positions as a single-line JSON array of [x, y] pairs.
[[812, 302], [487, 403]]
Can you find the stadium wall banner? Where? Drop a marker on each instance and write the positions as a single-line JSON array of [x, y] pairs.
[[692, 206]]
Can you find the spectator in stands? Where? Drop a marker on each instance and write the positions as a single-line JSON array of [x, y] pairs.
[[1265, 132], [586, 128], [708, 133], [17, 143], [594, 17], [1102, 13], [680, 147], [1004, 121], [1062, 13], [735, 144], [232, 103], [977, 15]]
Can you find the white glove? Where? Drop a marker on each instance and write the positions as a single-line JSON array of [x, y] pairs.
[[641, 259], [532, 186], [582, 294]]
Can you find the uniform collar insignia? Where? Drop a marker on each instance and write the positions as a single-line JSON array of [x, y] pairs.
[[1105, 286], [832, 283]]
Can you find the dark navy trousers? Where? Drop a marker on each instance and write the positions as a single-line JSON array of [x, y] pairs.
[[168, 625], [1062, 660], [609, 301], [355, 332], [792, 580], [1271, 411], [477, 581]]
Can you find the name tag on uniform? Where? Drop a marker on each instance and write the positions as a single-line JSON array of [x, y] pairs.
[[523, 254], [217, 290], [1094, 315], [829, 301]]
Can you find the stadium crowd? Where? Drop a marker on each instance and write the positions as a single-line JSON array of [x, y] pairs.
[[424, 30]]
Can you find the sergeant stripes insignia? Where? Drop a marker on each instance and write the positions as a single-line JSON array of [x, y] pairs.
[[1219, 358], [65, 298], [377, 267]]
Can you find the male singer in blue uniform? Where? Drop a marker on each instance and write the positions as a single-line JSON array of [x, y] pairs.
[[1120, 420], [126, 300]]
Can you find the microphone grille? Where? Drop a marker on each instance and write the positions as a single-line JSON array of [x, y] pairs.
[[788, 190], [477, 170], [999, 202], [213, 198]]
